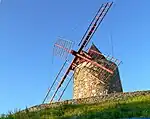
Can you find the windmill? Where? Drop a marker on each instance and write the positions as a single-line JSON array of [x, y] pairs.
[[63, 48]]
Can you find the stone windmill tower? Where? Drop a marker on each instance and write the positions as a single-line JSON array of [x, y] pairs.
[[90, 80], [94, 74]]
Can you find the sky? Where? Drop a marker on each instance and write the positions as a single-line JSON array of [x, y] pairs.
[[29, 29]]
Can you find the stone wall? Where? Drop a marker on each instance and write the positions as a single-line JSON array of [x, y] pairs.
[[91, 100], [90, 80]]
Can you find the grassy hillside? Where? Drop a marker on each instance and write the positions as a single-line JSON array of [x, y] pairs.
[[132, 107]]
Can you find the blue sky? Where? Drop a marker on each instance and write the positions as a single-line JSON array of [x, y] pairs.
[[29, 29]]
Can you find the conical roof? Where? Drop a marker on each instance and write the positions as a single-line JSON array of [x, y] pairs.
[[94, 51], [93, 47]]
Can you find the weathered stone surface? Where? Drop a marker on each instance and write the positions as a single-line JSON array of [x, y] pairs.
[[90, 80]]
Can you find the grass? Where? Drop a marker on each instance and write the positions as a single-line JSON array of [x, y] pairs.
[[132, 107]]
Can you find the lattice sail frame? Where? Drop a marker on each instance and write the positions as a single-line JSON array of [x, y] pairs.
[[62, 47]]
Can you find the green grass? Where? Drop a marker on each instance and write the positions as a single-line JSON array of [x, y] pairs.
[[132, 107]]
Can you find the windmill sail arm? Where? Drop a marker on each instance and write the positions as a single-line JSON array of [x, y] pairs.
[[95, 24], [63, 78], [49, 90], [59, 85], [65, 88], [99, 22], [90, 26], [95, 63]]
